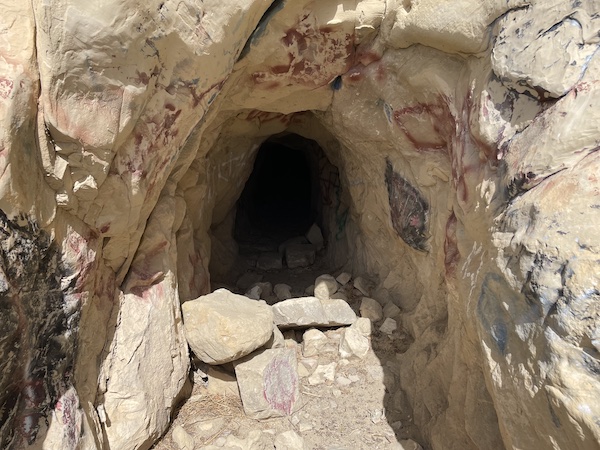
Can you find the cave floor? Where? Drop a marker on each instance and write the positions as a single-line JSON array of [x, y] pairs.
[[361, 407]]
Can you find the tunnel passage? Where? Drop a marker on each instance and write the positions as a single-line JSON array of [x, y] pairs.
[[292, 188], [280, 199]]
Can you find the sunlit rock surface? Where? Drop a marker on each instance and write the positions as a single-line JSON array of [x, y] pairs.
[[465, 136]]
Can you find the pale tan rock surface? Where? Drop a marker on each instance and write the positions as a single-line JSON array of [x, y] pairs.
[[325, 287], [304, 312], [465, 134], [268, 383], [222, 327]]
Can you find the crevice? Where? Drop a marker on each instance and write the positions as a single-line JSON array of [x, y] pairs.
[[275, 7]]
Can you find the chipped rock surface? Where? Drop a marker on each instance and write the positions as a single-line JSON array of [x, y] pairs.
[[458, 171], [268, 383], [221, 327], [353, 343], [371, 309], [306, 312], [325, 287]]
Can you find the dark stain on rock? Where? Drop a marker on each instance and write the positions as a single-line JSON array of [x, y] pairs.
[[336, 84], [276, 6], [37, 330], [408, 209]]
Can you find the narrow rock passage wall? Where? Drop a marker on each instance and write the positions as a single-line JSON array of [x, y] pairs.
[[465, 136]]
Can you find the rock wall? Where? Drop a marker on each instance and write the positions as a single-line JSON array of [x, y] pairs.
[[465, 134]]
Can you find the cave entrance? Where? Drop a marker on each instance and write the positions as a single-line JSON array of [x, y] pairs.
[[280, 198], [289, 215]]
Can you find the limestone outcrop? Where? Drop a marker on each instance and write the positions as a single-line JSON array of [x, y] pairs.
[[454, 149]]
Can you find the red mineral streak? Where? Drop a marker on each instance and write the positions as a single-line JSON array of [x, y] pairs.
[[438, 114], [467, 151], [6, 87], [82, 248], [367, 57], [316, 56], [144, 78], [198, 98]]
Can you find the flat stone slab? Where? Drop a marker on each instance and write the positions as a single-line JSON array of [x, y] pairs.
[[306, 312], [222, 326], [268, 383]]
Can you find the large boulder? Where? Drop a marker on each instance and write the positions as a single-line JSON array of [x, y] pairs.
[[221, 327]]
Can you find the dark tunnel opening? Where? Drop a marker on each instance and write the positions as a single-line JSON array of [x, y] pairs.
[[281, 197]]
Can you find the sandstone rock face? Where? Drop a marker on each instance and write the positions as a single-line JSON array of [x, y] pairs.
[[268, 383], [465, 135], [222, 327]]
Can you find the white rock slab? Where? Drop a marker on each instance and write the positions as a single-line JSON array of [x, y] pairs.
[[364, 326], [306, 312], [268, 383], [338, 312], [221, 327]]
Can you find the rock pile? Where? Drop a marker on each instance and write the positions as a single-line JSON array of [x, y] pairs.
[[266, 366]]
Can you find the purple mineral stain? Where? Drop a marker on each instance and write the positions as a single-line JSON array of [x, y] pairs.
[[280, 384]]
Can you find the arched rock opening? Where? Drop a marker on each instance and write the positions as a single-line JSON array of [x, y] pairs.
[[293, 188], [280, 199], [128, 135]]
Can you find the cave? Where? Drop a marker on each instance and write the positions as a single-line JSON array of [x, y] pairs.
[[446, 151], [287, 189], [281, 198]]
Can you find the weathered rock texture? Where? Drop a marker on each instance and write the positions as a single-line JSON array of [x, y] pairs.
[[221, 327], [459, 167]]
